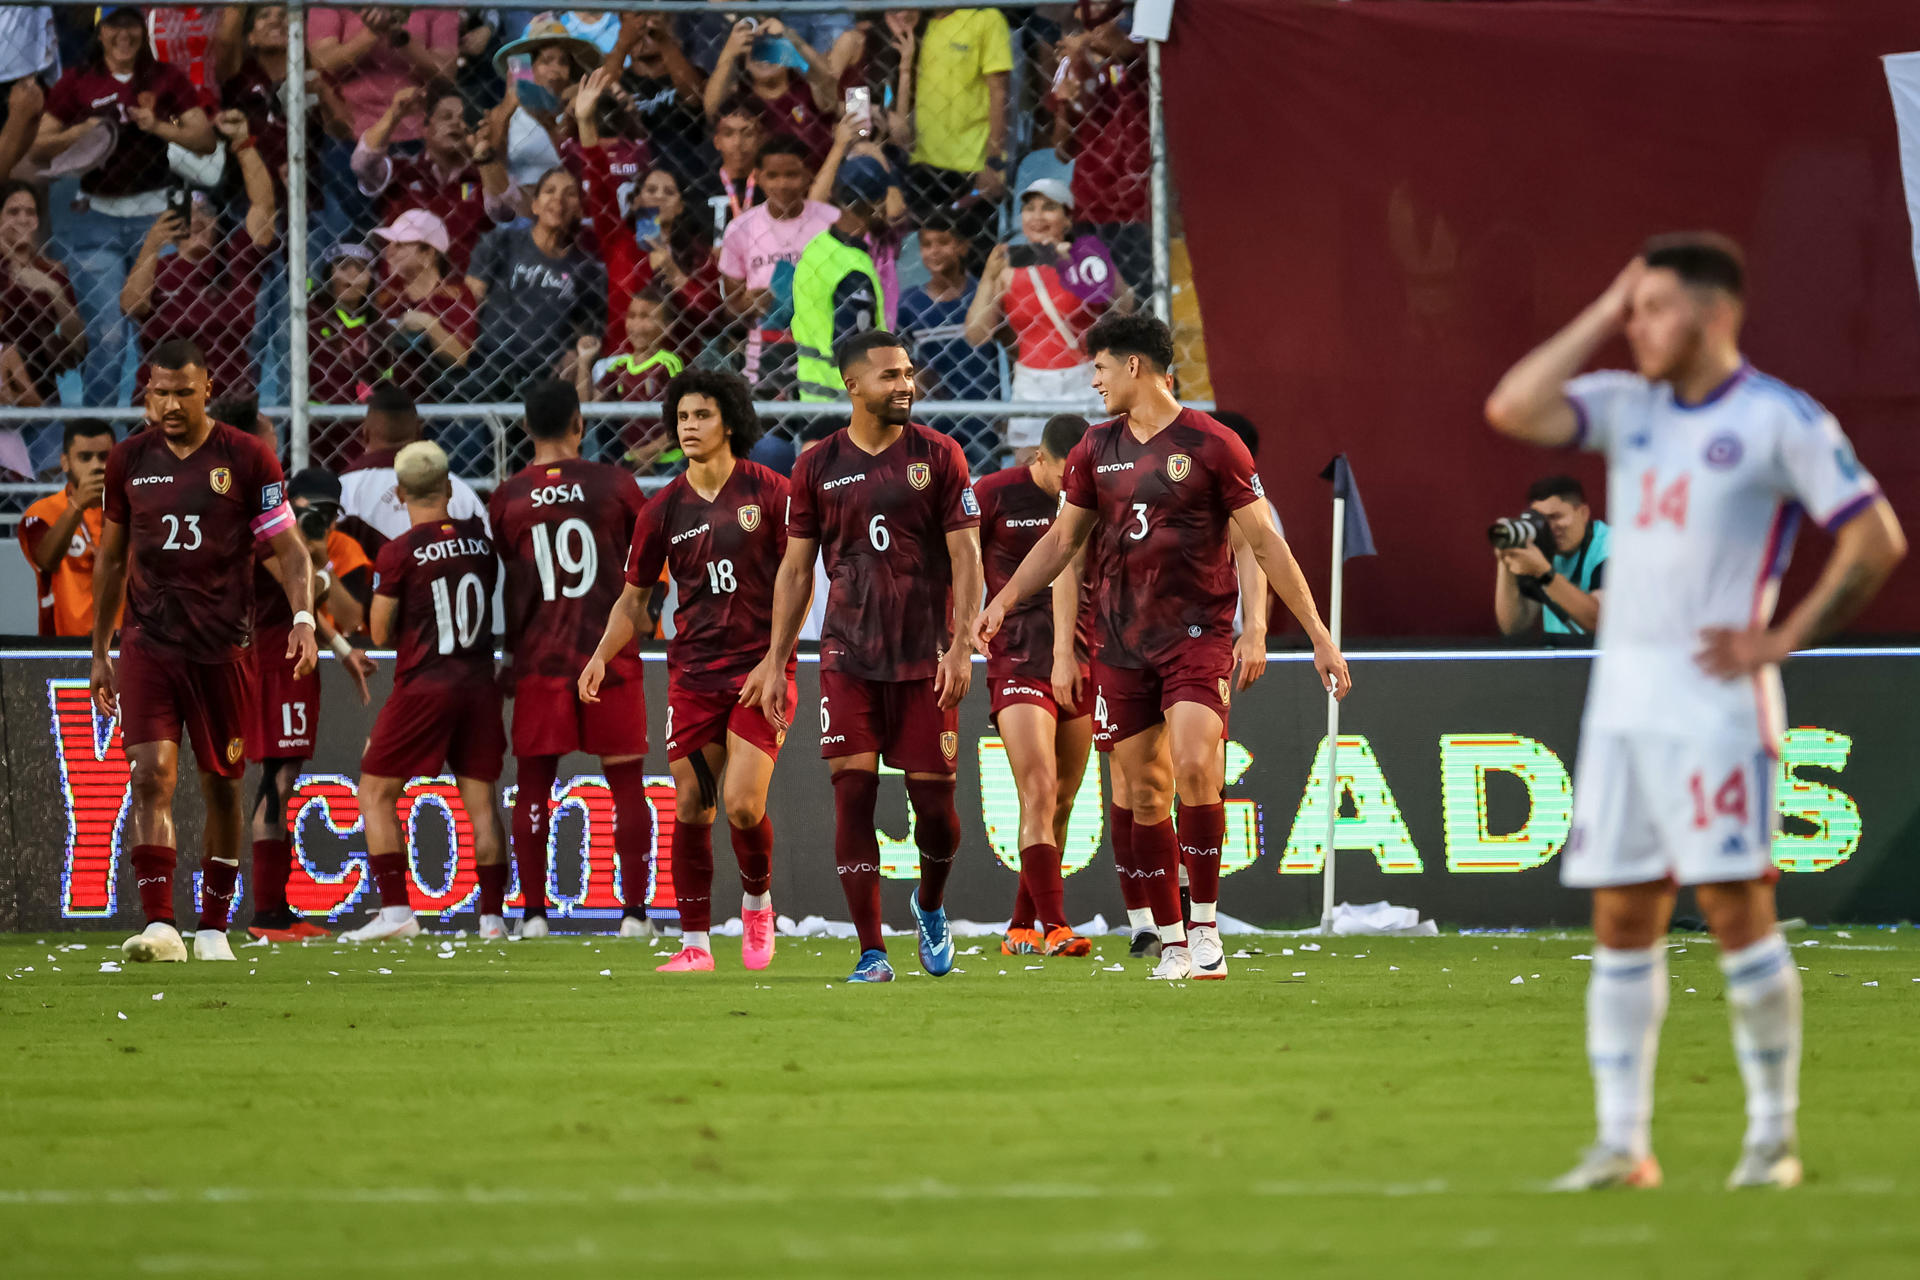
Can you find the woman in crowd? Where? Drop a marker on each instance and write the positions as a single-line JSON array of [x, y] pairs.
[[539, 289], [528, 123], [428, 320], [1041, 298], [207, 288], [877, 53], [801, 107], [39, 313], [147, 105]]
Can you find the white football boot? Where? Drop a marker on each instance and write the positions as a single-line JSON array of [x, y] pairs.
[[1209, 956], [389, 924], [1176, 965], [1772, 1166], [212, 944], [493, 929], [1602, 1167], [635, 927], [158, 942], [532, 927]]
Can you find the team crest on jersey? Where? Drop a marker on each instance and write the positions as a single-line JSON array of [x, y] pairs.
[[221, 479], [949, 744], [919, 474], [750, 517], [1178, 465], [1723, 452], [1226, 693], [234, 747]]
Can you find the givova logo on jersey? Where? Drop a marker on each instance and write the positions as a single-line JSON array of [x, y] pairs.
[[749, 517]]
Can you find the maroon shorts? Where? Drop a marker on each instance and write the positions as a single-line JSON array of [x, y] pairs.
[[162, 694], [1007, 689], [428, 729], [1130, 700], [550, 720], [697, 718], [901, 720], [286, 719]]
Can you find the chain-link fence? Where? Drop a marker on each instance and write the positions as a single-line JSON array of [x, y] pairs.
[[464, 198]]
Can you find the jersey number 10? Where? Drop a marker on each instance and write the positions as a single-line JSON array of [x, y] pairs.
[[459, 612]]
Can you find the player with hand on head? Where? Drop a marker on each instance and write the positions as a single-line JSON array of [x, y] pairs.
[[1159, 489], [562, 525], [187, 499], [720, 530], [1680, 743], [887, 502], [432, 601], [1047, 729]]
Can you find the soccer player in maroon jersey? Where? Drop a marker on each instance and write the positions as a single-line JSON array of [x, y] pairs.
[[186, 500], [1158, 489], [887, 501], [563, 526], [1046, 739], [720, 530], [432, 601]]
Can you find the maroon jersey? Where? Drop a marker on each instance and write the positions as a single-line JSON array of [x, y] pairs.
[[138, 161], [882, 522], [563, 529], [191, 527], [1015, 513], [723, 556], [442, 573], [211, 300], [1160, 548]]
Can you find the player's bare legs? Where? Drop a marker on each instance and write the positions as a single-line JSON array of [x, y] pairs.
[[219, 865], [1194, 733], [153, 771], [1147, 762], [1763, 997], [744, 793], [856, 846], [1626, 1002], [532, 812], [387, 860]]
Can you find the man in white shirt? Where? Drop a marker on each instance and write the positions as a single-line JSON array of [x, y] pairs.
[[371, 511], [1711, 466]]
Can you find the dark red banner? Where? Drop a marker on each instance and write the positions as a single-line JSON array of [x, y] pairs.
[[1388, 202]]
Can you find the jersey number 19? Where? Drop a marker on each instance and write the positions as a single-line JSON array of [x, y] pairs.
[[570, 546]]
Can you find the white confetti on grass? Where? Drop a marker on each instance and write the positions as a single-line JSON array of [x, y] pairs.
[[1518, 981], [121, 1016]]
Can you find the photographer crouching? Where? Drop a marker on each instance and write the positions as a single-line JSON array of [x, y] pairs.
[[1550, 560]]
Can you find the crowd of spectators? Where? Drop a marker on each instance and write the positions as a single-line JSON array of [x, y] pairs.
[[603, 196]]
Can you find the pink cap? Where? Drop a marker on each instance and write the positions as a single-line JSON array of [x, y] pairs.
[[415, 226]]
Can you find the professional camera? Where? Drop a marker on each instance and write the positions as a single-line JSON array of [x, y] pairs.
[[1528, 529], [315, 495]]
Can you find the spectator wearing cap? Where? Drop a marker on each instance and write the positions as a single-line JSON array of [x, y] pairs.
[[58, 533], [888, 229], [540, 288], [1041, 297], [762, 241], [836, 286], [39, 311], [960, 111], [1100, 123], [207, 288], [121, 109], [428, 319], [343, 333], [372, 53], [371, 512], [666, 91], [933, 324], [540, 69], [457, 176], [755, 65]]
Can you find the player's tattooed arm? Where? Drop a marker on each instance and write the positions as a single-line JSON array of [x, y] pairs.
[[296, 579], [1043, 564], [1530, 403], [622, 624], [1864, 554], [1250, 649], [766, 684], [1277, 562], [109, 581]]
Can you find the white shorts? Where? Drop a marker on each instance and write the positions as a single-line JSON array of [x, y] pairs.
[[1075, 384], [1650, 806]]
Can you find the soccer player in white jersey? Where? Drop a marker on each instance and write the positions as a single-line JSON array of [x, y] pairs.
[[1711, 467]]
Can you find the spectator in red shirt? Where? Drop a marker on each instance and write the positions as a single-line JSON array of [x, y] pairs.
[[206, 289], [342, 329], [428, 319], [147, 104], [250, 57], [183, 37], [1100, 122], [458, 178], [801, 108], [39, 312], [372, 53]]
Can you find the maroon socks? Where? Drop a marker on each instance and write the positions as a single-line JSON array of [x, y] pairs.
[[153, 872], [856, 851], [493, 888], [532, 811], [936, 833], [217, 880], [693, 875], [390, 877], [1040, 876], [1203, 829], [632, 832], [753, 849]]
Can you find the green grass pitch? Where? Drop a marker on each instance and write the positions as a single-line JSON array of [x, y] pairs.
[[1375, 1108]]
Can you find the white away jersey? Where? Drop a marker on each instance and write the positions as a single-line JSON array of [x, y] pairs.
[[1705, 500]]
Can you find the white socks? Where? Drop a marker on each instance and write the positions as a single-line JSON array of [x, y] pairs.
[[1626, 1001], [1203, 913], [755, 901], [1139, 918], [1763, 995], [691, 941]]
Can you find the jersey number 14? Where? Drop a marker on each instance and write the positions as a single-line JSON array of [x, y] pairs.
[[1658, 504]]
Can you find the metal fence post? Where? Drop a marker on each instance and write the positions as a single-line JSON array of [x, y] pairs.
[[1162, 233], [296, 111]]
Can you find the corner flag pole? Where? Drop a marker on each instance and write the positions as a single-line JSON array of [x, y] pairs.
[[1333, 716]]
